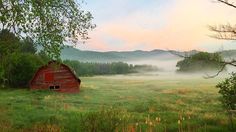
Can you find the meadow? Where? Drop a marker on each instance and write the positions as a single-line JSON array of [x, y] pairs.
[[135, 103]]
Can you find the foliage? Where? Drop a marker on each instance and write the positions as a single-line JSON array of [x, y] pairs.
[[228, 92], [28, 46], [20, 68], [90, 68], [9, 43], [1, 75], [18, 60], [44, 56], [48, 22], [201, 61], [145, 68]]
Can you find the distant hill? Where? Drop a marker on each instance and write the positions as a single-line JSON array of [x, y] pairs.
[[71, 53], [113, 56], [163, 59]]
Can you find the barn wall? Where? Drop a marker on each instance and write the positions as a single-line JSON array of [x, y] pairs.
[[61, 76]]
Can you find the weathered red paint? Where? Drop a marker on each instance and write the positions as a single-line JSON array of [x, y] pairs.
[[55, 76]]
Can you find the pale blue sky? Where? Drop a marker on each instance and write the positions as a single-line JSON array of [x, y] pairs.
[[156, 24], [107, 10]]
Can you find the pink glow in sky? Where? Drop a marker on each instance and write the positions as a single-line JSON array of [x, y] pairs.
[[157, 24]]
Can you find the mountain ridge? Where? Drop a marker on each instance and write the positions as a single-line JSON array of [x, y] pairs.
[[110, 56], [71, 53]]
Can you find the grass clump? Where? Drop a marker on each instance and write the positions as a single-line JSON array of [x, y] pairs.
[[105, 120]]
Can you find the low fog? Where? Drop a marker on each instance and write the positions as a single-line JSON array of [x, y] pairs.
[[165, 62], [167, 68], [163, 65]]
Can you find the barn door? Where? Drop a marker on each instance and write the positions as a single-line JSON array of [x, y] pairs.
[[49, 77]]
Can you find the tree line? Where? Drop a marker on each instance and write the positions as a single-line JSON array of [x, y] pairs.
[[20, 59], [93, 68]]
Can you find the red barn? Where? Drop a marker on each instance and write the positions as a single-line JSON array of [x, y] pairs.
[[55, 76]]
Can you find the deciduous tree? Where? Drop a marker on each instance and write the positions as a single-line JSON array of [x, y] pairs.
[[200, 62], [48, 22]]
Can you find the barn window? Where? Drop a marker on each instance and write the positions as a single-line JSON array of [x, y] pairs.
[[57, 87], [54, 87], [51, 87]]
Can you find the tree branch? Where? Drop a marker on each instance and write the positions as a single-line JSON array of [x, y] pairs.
[[217, 74], [227, 3], [226, 32], [225, 63]]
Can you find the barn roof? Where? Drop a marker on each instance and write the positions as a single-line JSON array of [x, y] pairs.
[[50, 62]]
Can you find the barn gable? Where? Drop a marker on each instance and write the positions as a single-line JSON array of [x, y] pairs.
[[55, 76]]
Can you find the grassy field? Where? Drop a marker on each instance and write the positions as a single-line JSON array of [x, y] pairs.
[[118, 103]]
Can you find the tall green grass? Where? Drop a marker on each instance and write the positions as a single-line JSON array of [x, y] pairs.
[[117, 103]]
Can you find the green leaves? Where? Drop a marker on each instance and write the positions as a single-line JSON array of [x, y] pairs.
[[9, 43], [48, 22], [228, 92], [20, 68], [201, 62]]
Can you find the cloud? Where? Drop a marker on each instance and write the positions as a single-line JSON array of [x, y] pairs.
[[181, 25]]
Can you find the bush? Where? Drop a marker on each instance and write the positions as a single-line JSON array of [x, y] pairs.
[[20, 68], [228, 92], [201, 61]]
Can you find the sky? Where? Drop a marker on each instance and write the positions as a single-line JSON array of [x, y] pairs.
[[126, 25]]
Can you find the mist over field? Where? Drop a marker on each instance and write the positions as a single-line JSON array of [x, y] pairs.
[[162, 59], [165, 64], [117, 66], [165, 61]]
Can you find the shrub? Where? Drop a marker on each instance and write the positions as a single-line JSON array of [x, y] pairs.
[[20, 68], [201, 61], [228, 92]]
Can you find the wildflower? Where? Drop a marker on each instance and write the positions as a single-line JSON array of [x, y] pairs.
[[179, 121], [150, 123], [136, 124], [183, 118], [146, 122]]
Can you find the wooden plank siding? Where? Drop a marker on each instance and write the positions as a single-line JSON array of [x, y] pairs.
[[57, 77]]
